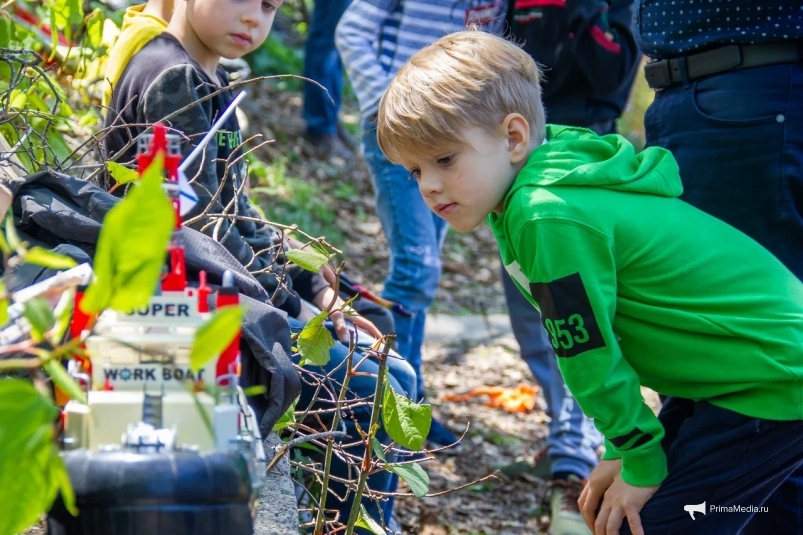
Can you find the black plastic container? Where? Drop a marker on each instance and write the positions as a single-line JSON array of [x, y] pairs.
[[177, 493]]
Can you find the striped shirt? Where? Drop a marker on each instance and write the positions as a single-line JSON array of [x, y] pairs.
[[376, 37]]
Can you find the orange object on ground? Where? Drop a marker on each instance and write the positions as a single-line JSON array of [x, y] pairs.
[[519, 399]]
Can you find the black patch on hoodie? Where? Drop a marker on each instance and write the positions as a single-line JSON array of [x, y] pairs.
[[567, 315]]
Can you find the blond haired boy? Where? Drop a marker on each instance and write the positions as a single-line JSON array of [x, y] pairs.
[[634, 286]]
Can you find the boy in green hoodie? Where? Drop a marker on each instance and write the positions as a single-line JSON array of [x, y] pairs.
[[634, 286]]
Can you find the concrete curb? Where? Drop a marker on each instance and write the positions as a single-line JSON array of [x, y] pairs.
[[277, 512], [442, 329]]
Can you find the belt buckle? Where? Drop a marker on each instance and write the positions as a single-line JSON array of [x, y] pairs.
[[657, 74]]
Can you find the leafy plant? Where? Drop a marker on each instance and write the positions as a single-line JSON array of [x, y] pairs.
[[27, 414], [31, 471], [37, 119], [314, 341], [215, 335], [406, 422], [132, 246]]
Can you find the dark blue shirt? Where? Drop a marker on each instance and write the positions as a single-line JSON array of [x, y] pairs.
[[671, 28]]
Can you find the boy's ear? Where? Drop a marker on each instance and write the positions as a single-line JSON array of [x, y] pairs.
[[517, 131]]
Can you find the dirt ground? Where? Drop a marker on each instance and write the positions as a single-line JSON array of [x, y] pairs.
[[495, 441]]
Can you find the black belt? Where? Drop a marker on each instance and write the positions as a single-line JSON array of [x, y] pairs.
[[668, 72]]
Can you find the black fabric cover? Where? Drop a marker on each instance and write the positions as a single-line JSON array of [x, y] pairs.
[[55, 210]]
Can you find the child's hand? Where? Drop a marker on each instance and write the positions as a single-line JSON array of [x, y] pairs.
[[619, 500], [324, 299], [599, 481], [339, 320]]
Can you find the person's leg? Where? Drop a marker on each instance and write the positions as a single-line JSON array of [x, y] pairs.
[[322, 64], [534, 346], [784, 509], [720, 458], [738, 139], [573, 440], [415, 236]]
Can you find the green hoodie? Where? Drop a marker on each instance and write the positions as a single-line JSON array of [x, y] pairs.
[[636, 287]]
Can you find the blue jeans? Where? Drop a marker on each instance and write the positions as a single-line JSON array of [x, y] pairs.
[[415, 236], [738, 139], [322, 64], [722, 458], [573, 440], [400, 377]]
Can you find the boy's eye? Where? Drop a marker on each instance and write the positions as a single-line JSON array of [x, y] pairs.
[[270, 5], [415, 174], [446, 160]]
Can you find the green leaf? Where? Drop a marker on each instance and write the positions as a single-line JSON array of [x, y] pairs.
[[49, 259], [4, 246], [321, 249], [288, 418], [94, 28], [63, 380], [63, 313], [415, 477], [132, 246], [407, 423], [12, 238], [215, 335], [254, 390], [378, 451], [121, 174], [69, 14], [62, 477], [54, 33], [31, 471], [40, 316], [306, 259], [6, 27], [3, 304], [314, 341], [18, 99], [365, 521]]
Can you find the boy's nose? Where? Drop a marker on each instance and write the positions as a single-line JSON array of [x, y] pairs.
[[251, 15], [428, 185]]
